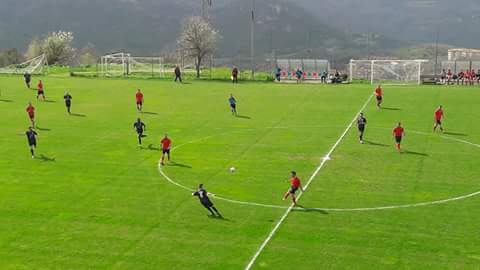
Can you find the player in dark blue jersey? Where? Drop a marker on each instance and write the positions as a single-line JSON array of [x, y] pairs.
[[202, 195], [32, 140], [361, 123], [233, 104], [68, 101], [140, 127]]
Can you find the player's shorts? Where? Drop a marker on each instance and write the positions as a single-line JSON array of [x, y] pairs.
[[398, 139], [40, 92], [139, 102], [140, 131], [32, 143], [32, 116], [293, 190], [68, 103], [166, 151], [233, 106], [438, 121], [207, 203], [361, 128], [379, 98]]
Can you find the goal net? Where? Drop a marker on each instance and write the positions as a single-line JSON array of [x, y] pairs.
[[37, 65], [387, 71], [123, 64], [312, 68]]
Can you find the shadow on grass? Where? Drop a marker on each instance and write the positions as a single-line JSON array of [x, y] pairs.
[[45, 158], [300, 208], [151, 147], [455, 134], [375, 143], [152, 113], [78, 115], [222, 218], [176, 164], [42, 129], [49, 101], [415, 153], [6, 100], [391, 109], [243, 116]]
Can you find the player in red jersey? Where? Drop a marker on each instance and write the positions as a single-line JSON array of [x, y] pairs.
[[438, 119], [139, 99], [379, 95], [40, 90], [31, 113], [398, 133], [166, 144], [295, 185]]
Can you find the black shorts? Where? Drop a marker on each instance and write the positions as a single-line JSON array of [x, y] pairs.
[[233, 106], [207, 203], [361, 128], [398, 139], [439, 122], [32, 143], [68, 103], [166, 151], [379, 98], [40, 93], [293, 190]]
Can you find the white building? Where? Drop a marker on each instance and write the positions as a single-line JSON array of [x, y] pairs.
[[463, 54]]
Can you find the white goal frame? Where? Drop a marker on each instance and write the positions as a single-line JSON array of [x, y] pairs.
[[371, 70], [124, 64], [36, 65]]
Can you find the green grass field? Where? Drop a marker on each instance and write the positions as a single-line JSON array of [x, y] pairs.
[[92, 199]]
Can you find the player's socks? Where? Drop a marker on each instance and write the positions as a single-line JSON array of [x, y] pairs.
[[33, 154]]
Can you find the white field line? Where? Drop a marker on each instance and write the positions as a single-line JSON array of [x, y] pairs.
[[376, 208], [317, 170]]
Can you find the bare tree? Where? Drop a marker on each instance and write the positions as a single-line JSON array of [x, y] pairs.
[[197, 40]]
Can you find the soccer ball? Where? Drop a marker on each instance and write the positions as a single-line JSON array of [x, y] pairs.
[[232, 169]]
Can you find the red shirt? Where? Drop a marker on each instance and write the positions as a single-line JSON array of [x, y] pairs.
[[439, 114], [30, 110], [398, 131], [378, 92], [166, 142], [40, 86], [139, 96], [295, 181]]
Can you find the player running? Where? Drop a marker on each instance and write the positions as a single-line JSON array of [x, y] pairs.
[[235, 75], [202, 195], [139, 99], [233, 104], [32, 140], [40, 90], [398, 133], [438, 119], [140, 127], [295, 185], [379, 96], [361, 123], [166, 144], [68, 101], [28, 78], [31, 113]]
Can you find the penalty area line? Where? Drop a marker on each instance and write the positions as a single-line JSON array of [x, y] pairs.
[[314, 174]]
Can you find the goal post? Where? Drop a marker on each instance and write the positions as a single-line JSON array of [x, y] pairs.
[[36, 65], [124, 64], [387, 71]]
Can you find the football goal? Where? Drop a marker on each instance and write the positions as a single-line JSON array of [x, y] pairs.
[[387, 71], [312, 68], [124, 64], [37, 65]]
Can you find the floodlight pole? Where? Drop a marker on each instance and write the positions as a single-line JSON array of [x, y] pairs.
[[436, 51], [252, 39]]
